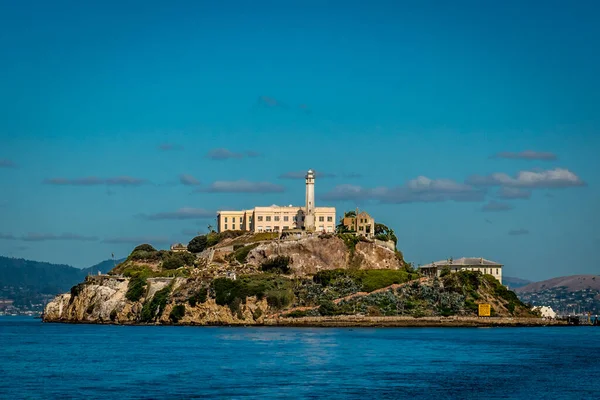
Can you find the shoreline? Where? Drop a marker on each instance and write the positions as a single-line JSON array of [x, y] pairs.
[[362, 322]]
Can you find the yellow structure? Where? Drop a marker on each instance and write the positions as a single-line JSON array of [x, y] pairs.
[[485, 310], [280, 218], [464, 264], [362, 224]]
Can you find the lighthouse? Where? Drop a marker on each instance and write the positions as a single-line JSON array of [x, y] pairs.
[[309, 218]]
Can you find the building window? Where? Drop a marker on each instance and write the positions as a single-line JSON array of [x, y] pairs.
[[360, 228], [260, 229], [260, 217], [286, 218], [225, 226], [268, 229], [268, 217], [321, 219], [276, 218], [286, 228], [225, 219], [276, 228], [329, 219], [497, 271]]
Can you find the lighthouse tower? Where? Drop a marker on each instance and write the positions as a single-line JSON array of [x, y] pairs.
[[309, 217]]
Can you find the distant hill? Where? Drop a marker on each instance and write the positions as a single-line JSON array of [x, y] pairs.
[[566, 294], [570, 283], [514, 283], [29, 282]]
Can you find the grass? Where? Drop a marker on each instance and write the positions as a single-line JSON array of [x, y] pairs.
[[367, 280]]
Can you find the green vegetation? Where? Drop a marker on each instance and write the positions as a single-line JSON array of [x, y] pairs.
[[177, 313], [197, 244], [226, 291], [136, 288], [297, 314], [350, 240], [382, 232], [144, 247], [277, 265], [365, 280], [178, 260], [198, 297], [280, 298], [241, 252], [202, 242], [153, 309]]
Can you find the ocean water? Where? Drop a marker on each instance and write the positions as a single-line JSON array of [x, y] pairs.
[[60, 361]]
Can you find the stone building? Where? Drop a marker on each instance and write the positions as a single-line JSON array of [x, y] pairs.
[[464, 264], [281, 218], [178, 247], [362, 224]]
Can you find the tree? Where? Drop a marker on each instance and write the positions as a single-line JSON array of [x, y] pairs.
[[382, 232], [197, 244], [144, 247]]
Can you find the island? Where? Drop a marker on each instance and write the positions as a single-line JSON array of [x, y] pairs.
[[294, 279]]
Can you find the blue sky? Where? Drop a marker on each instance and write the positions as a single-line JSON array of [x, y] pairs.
[[471, 128]]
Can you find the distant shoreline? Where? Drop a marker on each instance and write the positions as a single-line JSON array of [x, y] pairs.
[[366, 322]]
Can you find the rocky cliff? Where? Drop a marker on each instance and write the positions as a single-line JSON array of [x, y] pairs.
[[247, 280]]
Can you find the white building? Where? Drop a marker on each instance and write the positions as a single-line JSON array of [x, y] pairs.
[[281, 218], [464, 264]]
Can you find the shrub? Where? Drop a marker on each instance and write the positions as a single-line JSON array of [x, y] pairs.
[[241, 253], [136, 288], [144, 247], [178, 260], [257, 313], [177, 313], [197, 244], [279, 298], [296, 314], [153, 309], [226, 290], [350, 241], [278, 265], [212, 239], [327, 307], [366, 280], [198, 297], [137, 271], [234, 306]]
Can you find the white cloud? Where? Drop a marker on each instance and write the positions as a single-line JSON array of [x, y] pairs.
[[188, 180], [555, 178], [420, 189], [509, 193]]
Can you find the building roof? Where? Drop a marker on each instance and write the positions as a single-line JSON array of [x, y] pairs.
[[464, 261]]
